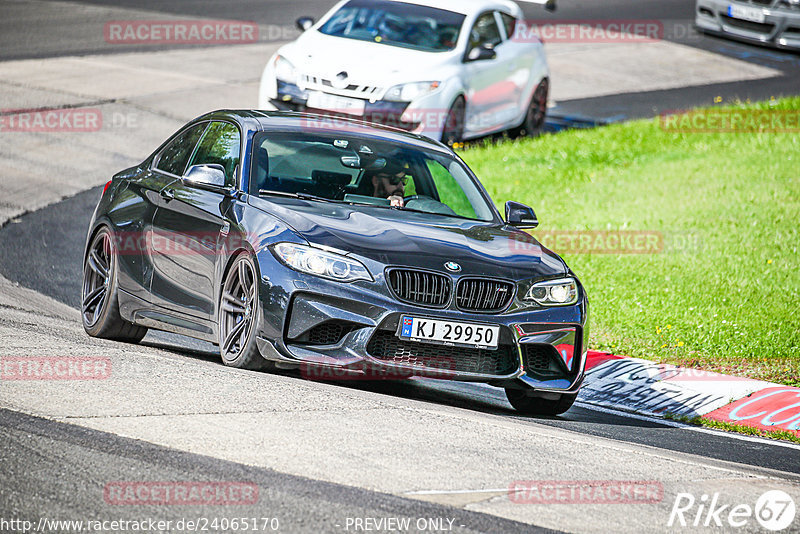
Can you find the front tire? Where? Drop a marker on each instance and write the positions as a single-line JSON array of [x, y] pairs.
[[533, 124], [238, 316], [99, 301], [528, 405], [453, 131]]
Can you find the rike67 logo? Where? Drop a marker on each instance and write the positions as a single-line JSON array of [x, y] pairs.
[[774, 510]]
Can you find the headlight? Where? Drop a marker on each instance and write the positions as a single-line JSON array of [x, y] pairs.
[[407, 92], [321, 263], [284, 70], [561, 292]]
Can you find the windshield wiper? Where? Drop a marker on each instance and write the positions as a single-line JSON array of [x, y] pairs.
[[301, 196]]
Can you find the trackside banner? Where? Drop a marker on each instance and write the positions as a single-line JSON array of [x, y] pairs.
[[651, 388]]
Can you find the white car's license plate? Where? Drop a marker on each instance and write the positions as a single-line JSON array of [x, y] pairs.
[[340, 104], [449, 332], [753, 14]]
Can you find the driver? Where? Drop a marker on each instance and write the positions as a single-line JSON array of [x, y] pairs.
[[389, 183]]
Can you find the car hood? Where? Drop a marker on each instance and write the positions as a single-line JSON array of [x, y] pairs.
[[366, 63], [403, 238]]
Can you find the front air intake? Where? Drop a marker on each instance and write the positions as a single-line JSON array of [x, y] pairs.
[[420, 287], [483, 295]]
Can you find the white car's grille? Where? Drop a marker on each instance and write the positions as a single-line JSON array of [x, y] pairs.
[[367, 92]]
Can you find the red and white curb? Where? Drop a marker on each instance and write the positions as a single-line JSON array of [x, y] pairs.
[[656, 389]]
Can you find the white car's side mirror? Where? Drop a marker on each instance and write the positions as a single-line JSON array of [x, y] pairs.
[[481, 53], [304, 23]]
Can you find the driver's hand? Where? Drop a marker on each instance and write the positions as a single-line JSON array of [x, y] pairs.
[[397, 201]]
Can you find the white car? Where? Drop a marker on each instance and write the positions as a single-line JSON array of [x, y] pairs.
[[450, 70]]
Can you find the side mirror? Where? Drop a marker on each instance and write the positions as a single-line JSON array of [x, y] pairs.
[[304, 23], [520, 215], [208, 176], [481, 53]]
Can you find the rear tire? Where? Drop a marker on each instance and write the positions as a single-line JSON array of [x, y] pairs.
[[527, 405], [99, 300], [533, 124], [238, 316]]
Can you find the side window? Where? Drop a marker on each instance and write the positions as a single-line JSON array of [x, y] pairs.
[[174, 157], [220, 144], [510, 23], [485, 32]]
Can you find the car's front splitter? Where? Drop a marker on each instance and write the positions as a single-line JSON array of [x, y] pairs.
[[334, 337]]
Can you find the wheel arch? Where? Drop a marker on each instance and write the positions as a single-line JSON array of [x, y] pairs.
[[94, 229], [244, 248]]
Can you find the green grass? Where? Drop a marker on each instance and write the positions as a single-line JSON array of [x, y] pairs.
[[729, 301], [785, 435]]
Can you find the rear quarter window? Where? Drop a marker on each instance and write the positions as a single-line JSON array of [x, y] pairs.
[[175, 156]]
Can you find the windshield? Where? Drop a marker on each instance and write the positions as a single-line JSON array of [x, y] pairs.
[[397, 24], [364, 171]]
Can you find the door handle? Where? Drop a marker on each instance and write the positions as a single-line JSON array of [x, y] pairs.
[[167, 194]]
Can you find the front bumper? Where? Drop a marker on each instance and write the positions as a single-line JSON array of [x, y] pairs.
[[780, 27], [388, 113], [348, 331]]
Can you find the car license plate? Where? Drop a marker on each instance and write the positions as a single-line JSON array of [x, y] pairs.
[[753, 14], [339, 104], [449, 332]]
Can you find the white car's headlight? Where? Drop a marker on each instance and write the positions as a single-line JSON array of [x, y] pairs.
[[407, 92], [321, 263], [561, 292], [284, 70]]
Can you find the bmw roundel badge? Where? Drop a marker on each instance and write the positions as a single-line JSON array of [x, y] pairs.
[[452, 266]]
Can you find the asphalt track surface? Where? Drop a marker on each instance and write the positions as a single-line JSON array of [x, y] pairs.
[[72, 481], [43, 251]]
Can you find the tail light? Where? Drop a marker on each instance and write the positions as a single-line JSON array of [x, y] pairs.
[[105, 188]]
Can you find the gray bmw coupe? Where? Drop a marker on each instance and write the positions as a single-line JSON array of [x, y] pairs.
[[319, 243]]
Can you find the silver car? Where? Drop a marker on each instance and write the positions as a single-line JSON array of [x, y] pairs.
[[769, 22]]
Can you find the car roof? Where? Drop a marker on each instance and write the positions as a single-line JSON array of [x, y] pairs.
[[260, 120], [467, 7]]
